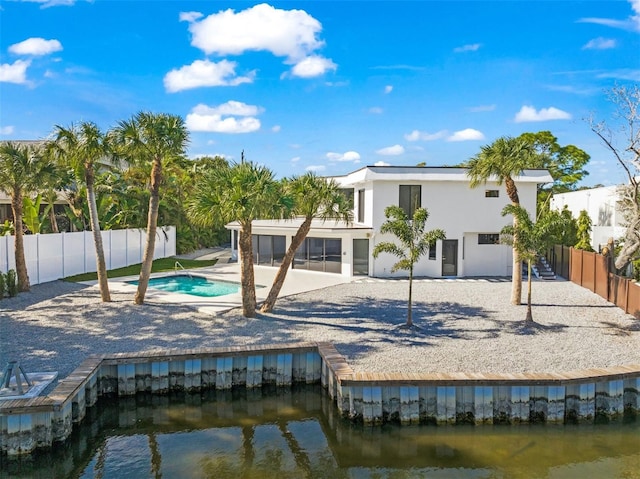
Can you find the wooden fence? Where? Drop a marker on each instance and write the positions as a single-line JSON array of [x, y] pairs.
[[591, 271]]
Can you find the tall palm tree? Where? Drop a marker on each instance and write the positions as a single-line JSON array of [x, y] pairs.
[[313, 198], [414, 242], [22, 168], [83, 147], [243, 192], [501, 161], [151, 139], [533, 239]]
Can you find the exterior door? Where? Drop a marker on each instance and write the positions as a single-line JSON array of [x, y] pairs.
[[361, 257], [450, 258]]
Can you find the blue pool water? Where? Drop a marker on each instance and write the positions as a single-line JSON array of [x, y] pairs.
[[193, 285]]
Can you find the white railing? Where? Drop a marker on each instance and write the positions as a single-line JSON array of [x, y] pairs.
[[57, 255]]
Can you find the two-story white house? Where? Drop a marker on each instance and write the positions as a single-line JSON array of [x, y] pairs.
[[471, 218]]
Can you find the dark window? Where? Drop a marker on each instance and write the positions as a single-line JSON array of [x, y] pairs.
[[489, 238], [492, 193], [432, 250], [360, 206], [410, 198], [348, 194], [268, 250], [319, 254]]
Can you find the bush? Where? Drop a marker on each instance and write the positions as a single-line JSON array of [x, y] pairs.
[[12, 283], [3, 285]]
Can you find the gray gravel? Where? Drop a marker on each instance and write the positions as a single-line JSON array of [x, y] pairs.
[[466, 325]]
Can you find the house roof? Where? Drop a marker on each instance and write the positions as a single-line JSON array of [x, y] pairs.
[[294, 224], [430, 173]]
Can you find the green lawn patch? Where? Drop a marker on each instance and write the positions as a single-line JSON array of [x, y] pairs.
[[159, 266]]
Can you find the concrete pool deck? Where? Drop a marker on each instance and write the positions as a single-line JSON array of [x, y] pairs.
[[296, 282]]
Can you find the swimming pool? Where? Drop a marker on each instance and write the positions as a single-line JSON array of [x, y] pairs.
[[193, 285]]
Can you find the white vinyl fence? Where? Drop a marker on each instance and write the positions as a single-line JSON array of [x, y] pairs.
[[57, 255]]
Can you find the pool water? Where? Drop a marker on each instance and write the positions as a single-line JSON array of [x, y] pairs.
[[193, 285], [297, 433]]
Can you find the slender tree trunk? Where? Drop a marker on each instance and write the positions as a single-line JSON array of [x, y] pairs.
[[278, 281], [53, 221], [101, 267], [21, 263], [529, 318], [516, 278], [409, 312], [152, 226], [247, 279]]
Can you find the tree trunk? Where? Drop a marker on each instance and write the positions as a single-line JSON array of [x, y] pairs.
[[516, 278], [247, 279], [529, 318], [53, 220], [409, 312], [631, 242], [21, 263], [278, 281], [152, 226], [101, 266]]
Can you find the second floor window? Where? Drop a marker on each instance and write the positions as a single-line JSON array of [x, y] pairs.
[[410, 198], [360, 206]]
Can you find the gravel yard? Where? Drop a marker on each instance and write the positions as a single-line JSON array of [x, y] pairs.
[[467, 325]]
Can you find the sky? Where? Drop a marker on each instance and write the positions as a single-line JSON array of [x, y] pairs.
[[324, 86]]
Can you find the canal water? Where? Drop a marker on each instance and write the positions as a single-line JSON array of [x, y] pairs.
[[297, 433]]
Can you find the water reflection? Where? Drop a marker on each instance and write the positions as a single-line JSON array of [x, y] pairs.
[[297, 434]]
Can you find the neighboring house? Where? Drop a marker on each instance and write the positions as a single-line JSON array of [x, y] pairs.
[[471, 218], [7, 214], [601, 204]]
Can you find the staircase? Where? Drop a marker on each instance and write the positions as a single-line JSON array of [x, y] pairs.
[[540, 269]]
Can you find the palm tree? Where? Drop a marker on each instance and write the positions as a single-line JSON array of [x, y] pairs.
[[501, 161], [414, 242], [82, 147], [153, 140], [22, 168], [533, 240], [313, 198], [243, 192]]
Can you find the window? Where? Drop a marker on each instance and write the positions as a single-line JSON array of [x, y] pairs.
[[348, 194], [492, 193], [268, 250], [489, 238], [432, 250], [410, 198], [319, 254], [360, 206]]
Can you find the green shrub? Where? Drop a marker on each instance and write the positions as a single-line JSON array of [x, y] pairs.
[[12, 283], [3, 285]]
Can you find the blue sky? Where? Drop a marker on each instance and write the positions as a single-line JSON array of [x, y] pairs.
[[322, 85]]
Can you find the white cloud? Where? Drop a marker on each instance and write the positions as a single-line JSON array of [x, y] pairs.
[[230, 117], [36, 46], [52, 3], [468, 134], [205, 73], [600, 43], [315, 168], [381, 163], [276, 128], [624, 74], [468, 48], [284, 33], [529, 114], [631, 23], [312, 66], [375, 110], [190, 16], [416, 135], [15, 72], [388, 89], [7, 130], [394, 150], [353, 156], [295, 159], [481, 108]]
